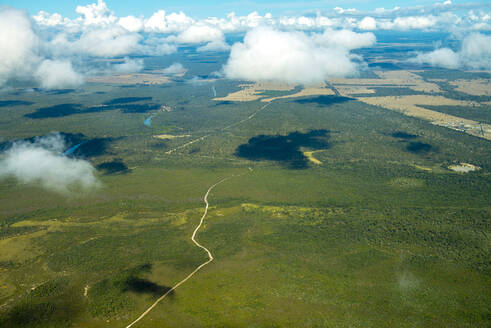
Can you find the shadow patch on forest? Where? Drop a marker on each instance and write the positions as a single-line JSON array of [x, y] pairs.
[[419, 147], [93, 147], [223, 102], [126, 100], [55, 111], [87, 147], [12, 103], [54, 92], [403, 135], [51, 304], [284, 149], [145, 286], [323, 100], [116, 166], [71, 109]]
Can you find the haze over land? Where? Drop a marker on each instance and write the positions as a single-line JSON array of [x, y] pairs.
[[231, 164]]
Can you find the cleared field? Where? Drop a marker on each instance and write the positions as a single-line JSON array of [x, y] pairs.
[[251, 92], [477, 87], [410, 105], [348, 90], [307, 91], [170, 136], [390, 78], [129, 79]]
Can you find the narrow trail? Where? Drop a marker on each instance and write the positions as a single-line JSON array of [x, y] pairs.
[[193, 238], [220, 129]]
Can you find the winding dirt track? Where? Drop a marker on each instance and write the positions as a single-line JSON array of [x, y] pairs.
[[210, 256]]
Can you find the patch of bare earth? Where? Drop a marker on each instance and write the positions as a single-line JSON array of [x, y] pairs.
[[464, 168], [141, 78], [170, 136]]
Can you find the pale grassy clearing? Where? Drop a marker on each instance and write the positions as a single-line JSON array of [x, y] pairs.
[[170, 136], [310, 156], [464, 168], [60, 225], [321, 90], [285, 212], [20, 248], [390, 79], [348, 90], [477, 87], [411, 106], [140, 78], [423, 168], [251, 92]]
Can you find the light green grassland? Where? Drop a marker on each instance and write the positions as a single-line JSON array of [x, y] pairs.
[[367, 239]]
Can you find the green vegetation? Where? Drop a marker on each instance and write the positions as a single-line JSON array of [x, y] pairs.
[[367, 239]]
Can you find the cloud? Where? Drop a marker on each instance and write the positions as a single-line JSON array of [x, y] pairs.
[[129, 66], [160, 22], [200, 34], [22, 58], [57, 74], [219, 45], [131, 23], [340, 10], [44, 18], [52, 170], [96, 14], [156, 46], [345, 39], [414, 22], [368, 23], [443, 57], [474, 53], [108, 42], [175, 69], [292, 57], [18, 44]]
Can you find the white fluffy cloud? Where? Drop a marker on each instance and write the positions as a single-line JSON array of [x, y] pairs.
[[57, 74], [200, 34], [160, 22], [52, 170], [131, 23], [108, 42], [414, 22], [175, 69], [18, 44], [293, 57], [129, 66], [444, 57], [345, 39], [368, 23], [96, 14], [474, 53], [21, 56], [218, 45]]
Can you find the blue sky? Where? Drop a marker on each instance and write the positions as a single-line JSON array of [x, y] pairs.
[[201, 9]]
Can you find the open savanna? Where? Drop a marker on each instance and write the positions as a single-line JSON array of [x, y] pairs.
[[381, 234]]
